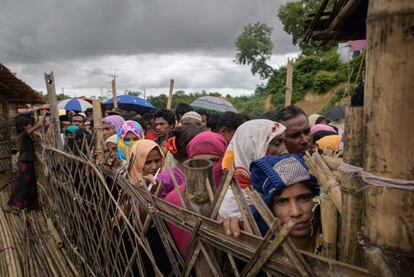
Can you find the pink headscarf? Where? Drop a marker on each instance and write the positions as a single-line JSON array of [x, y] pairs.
[[322, 127], [205, 143], [209, 143], [115, 121]]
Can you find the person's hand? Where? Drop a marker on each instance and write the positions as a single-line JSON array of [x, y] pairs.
[[232, 226], [150, 178]]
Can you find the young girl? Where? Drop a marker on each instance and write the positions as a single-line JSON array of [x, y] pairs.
[[24, 194]]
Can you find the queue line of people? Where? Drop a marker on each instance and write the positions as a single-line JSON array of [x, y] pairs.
[[265, 153]]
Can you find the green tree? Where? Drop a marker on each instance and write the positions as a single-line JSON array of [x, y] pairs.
[[133, 93], [61, 96], [254, 47], [292, 15]]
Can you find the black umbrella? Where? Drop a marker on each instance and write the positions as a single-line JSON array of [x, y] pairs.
[[335, 113]]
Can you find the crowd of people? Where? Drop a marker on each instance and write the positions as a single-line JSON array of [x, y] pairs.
[[266, 154]]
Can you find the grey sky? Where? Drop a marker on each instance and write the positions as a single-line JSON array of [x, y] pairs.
[[144, 42]]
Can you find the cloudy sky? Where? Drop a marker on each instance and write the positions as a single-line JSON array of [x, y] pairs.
[[144, 42]]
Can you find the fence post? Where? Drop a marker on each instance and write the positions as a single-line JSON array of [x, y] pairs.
[[54, 113], [170, 95], [97, 126], [289, 76]]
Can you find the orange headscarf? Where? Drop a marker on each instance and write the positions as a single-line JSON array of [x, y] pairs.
[[139, 154]]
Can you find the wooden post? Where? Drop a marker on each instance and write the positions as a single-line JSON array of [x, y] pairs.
[[114, 97], [97, 125], [388, 125], [170, 95], [289, 76], [54, 113], [351, 218]]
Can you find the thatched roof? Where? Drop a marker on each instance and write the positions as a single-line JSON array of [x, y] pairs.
[[15, 90], [342, 21]]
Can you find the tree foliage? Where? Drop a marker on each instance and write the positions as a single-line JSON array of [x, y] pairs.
[[254, 47]]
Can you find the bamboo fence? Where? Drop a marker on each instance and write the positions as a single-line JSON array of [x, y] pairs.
[[96, 234]]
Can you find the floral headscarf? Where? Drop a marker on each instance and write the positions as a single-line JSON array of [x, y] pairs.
[[123, 147]]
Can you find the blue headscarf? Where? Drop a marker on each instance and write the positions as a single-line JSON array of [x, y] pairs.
[[271, 174]]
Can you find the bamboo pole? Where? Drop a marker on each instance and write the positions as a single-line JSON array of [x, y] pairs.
[[289, 77], [329, 218], [114, 96], [388, 113], [54, 114], [351, 218], [170, 95], [97, 125]]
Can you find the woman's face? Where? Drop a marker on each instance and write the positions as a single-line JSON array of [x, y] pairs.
[[107, 131], [277, 146], [111, 149], [152, 163], [130, 137], [295, 202]]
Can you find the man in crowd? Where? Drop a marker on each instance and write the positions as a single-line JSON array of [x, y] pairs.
[[78, 119], [191, 118], [163, 124], [298, 136]]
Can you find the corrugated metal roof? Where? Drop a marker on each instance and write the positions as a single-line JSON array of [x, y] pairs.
[[15, 90]]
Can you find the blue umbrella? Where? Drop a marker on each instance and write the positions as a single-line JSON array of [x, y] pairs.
[[131, 103], [77, 105]]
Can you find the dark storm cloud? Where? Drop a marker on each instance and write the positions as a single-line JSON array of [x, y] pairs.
[[50, 30]]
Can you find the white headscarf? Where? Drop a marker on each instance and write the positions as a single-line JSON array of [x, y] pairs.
[[249, 143]]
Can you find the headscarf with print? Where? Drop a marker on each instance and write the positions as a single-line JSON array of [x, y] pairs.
[[124, 148], [250, 142], [139, 154], [209, 143]]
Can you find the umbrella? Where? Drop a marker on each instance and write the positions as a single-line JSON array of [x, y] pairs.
[[213, 104], [335, 113], [131, 103], [74, 104]]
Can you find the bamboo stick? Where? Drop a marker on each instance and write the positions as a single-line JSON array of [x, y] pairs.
[[329, 218], [325, 177]]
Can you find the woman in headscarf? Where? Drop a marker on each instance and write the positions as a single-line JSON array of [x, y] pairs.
[[69, 137], [288, 188], [110, 159], [110, 125], [252, 140], [147, 158], [129, 133], [206, 145]]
